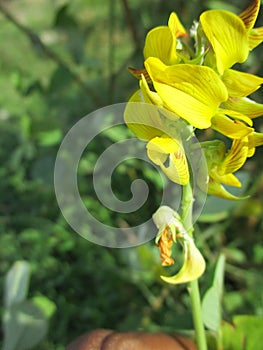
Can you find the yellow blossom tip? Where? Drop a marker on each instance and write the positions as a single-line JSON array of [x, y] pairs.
[[249, 15]]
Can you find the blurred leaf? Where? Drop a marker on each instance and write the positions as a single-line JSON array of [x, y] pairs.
[[211, 309], [211, 305], [233, 338], [24, 326], [222, 5], [251, 327], [45, 305], [244, 334], [16, 283], [50, 137]]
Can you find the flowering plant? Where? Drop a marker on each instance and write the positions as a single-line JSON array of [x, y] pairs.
[[197, 84]]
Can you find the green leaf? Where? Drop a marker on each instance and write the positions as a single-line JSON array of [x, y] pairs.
[[211, 309], [50, 137], [218, 281], [251, 327], [244, 334], [233, 338], [45, 305], [211, 305], [24, 326], [16, 283]]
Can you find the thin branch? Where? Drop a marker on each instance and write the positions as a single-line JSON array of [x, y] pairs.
[[131, 24], [37, 42]]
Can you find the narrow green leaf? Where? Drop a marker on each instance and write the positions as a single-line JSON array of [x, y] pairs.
[[16, 283], [211, 305], [211, 309], [218, 281]]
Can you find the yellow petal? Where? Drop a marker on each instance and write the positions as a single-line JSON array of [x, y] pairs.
[[216, 189], [236, 115], [228, 36], [149, 96], [176, 26], [228, 179], [193, 267], [161, 43], [143, 119], [236, 157], [255, 139], [158, 150], [191, 92], [233, 129], [240, 84], [165, 145], [255, 37], [244, 105], [249, 15]]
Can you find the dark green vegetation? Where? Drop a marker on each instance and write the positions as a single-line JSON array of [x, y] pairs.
[[66, 60]]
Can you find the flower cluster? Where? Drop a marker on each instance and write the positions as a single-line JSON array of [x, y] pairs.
[[199, 86]]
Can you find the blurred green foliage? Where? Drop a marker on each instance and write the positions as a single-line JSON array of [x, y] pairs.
[[60, 60]]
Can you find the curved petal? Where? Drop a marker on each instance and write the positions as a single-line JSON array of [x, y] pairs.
[[236, 115], [176, 26], [245, 106], [240, 84], [161, 43], [255, 37], [255, 139], [193, 267], [149, 96], [249, 15], [233, 129], [165, 216], [236, 157], [228, 36], [158, 150], [192, 92], [143, 119], [216, 189], [228, 179]]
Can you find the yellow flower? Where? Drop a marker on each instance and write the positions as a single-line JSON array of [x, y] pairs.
[[193, 93], [160, 42], [172, 230], [222, 165], [232, 36], [161, 149], [148, 123]]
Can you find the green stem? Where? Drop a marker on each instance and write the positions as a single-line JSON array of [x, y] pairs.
[[187, 208], [197, 315]]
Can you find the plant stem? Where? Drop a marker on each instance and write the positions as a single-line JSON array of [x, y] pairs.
[[187, 209], [197, 315]]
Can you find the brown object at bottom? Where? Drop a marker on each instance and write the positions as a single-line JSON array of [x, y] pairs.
[[102, 339]]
